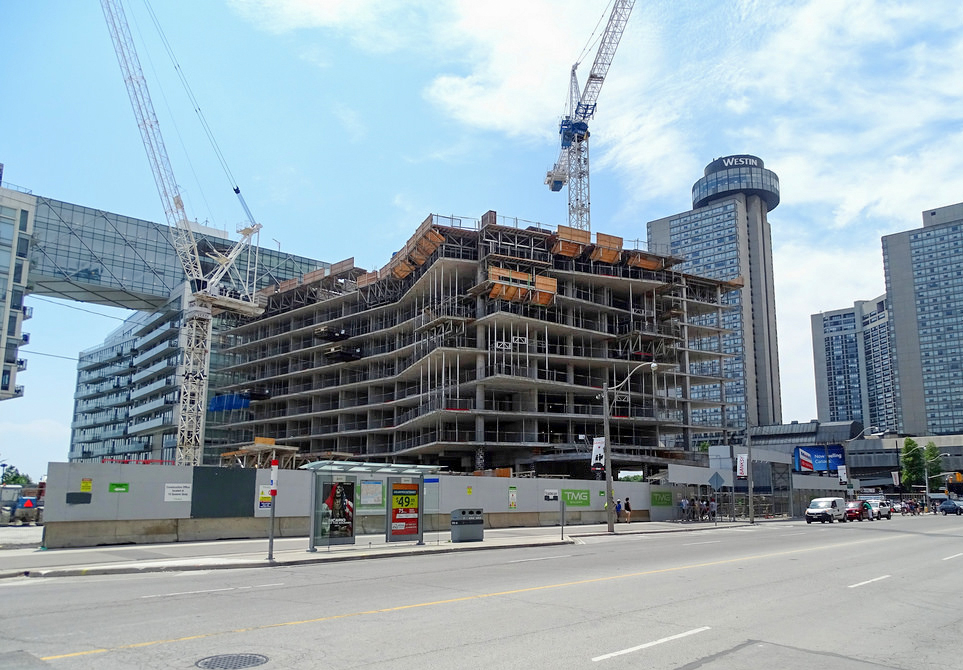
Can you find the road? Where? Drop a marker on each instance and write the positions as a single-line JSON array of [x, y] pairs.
[[879, 594]]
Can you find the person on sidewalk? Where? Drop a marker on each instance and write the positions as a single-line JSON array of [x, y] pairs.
[[628, 510], [684, 506], [618, 510]]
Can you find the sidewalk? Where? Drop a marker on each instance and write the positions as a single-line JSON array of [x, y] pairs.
[[21, 554]]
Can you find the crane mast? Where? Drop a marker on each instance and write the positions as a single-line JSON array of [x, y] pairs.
[[206, 292], [572, 165]]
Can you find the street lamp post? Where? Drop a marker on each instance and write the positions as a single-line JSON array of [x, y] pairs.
[[873, 432], [752, 510], [926, 475], [609, 497], [926, 472]]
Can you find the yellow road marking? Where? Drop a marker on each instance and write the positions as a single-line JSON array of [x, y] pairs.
[[480, 596]]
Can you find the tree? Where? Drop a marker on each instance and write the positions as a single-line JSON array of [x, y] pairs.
[[912, 459], [13, 476]]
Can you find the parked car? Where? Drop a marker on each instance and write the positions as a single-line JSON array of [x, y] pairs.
[[857, 510], [826, 509], [950, 507], [882, 509]]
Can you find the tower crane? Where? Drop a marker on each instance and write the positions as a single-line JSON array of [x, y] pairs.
[[206, 290], [572, 166]]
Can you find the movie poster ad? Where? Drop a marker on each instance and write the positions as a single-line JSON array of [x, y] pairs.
[[337, 509]]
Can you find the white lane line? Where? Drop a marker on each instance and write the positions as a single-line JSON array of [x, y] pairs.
[[651, 644], [868, 581], [544, 558], [689, 544], [194, 593], [953, 556], [791, 534], [186, 593]]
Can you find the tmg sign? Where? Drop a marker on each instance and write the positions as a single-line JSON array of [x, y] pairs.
[[576, 497]]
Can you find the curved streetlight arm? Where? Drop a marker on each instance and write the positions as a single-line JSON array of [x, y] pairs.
[[607, 449]]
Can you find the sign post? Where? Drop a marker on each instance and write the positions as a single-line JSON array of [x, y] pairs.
[[274, 495]]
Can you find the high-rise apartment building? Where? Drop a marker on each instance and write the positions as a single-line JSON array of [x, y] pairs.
[[924, 284], [727, 236], [853, 365]]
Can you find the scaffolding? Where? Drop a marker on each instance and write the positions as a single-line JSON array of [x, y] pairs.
[[483, 344]]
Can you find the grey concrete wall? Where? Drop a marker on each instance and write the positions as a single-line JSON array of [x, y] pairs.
[[141, 509], [144, 498]]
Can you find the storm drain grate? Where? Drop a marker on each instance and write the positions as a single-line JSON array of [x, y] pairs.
[[232, 661]]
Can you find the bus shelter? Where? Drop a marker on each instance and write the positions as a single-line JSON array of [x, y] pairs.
[[335, 494]]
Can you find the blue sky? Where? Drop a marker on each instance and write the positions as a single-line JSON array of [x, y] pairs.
[[346, 123]]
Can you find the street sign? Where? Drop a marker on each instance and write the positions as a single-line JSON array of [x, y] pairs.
[[716, 481]]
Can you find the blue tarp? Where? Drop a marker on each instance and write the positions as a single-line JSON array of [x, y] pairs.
[[223, 403]]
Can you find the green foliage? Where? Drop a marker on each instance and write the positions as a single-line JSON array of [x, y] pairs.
[[13, 476], [632, 478], [703, 447], [912, 460]]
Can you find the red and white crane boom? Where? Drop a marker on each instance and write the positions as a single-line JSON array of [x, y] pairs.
[[205, 288]]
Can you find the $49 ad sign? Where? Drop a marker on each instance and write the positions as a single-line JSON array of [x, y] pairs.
[[404, 509]]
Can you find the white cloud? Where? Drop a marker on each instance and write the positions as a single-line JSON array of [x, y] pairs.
[[351, 122]]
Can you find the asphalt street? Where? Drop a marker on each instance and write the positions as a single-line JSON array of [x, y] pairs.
[[850, 596]]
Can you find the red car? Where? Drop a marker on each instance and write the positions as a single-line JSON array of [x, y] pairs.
[[858, 510]]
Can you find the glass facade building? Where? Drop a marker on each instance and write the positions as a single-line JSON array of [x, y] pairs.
[[127, 388], [853, 366], [727, 236], [924, 282]]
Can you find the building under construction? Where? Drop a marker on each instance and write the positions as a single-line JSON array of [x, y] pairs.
[[483, 345]]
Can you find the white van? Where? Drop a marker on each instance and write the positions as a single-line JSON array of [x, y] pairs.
[[826, 509]]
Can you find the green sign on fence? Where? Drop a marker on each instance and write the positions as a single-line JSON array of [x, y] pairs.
[[577, 497], [117, 487], [662, 499]]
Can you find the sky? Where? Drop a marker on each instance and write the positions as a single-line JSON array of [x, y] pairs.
[[346, 122]]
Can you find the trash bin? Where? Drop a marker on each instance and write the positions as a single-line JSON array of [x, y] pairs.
[[467, 525]]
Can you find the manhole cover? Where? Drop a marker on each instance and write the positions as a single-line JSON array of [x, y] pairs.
[[232, 661]]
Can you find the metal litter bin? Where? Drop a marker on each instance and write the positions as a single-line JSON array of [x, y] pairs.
[[467, 525]]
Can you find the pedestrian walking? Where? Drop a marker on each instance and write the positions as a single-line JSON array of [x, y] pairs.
[[713, 508], [628, 510], [618, 510], [684, 506]]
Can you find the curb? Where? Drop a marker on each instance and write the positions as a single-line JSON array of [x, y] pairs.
[[264, 563]]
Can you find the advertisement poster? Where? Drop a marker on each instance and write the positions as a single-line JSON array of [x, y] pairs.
[[813, 458], [512, 497], [337, 509], [742, 466], [404, 509], [598, 454]]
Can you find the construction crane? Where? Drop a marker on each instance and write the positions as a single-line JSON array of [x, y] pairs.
[[206, 290], [572, 166]]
